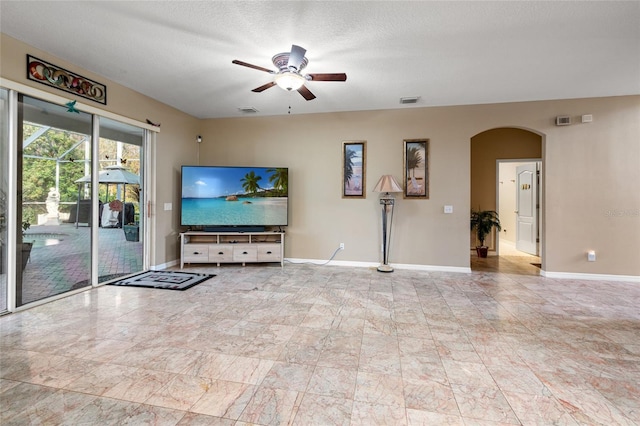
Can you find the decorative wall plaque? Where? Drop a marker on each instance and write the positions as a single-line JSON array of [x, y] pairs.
[[55, 76]]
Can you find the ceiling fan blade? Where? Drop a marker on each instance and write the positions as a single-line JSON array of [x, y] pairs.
[[255, 67], [296, 57], [328, 77], [264, 87], [306, 93]]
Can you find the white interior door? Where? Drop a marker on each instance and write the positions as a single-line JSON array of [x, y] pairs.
[[526, 209]]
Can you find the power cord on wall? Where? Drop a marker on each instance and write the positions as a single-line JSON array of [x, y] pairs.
[[317, 264], [199, 141]]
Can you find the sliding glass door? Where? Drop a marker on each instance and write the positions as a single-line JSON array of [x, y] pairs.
[[120, 160], [57, 232], [4, 194], [54, 210]]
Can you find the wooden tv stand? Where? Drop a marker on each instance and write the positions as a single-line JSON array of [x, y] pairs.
[[231, 247]]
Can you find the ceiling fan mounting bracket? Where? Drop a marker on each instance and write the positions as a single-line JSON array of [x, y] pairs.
[[281, 61]]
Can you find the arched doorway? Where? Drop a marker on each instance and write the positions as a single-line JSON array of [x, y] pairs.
[[496, 155]]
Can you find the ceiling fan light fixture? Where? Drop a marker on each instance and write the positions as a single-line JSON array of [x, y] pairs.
[[289, 80]]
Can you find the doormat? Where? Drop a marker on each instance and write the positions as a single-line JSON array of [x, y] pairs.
[[166, 280]]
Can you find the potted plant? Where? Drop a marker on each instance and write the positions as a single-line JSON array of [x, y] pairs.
[[483, 221], [26, 245]]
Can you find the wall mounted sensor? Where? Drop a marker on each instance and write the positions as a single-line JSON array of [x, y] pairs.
[[199, 139]]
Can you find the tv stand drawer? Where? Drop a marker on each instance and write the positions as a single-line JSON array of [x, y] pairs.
[[269, 252], [245, 253], [219, 253], [196, 253]]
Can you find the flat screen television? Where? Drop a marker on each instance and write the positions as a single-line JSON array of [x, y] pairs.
[[222, 196]]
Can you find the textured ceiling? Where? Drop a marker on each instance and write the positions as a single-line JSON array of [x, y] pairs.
[[447, 53]]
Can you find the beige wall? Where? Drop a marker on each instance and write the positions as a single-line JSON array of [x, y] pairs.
[[320, 219], [172, 146], [592, 178], [592, 188], [589, 171]]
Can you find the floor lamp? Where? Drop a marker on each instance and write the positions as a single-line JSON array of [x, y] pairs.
[[387, 185]]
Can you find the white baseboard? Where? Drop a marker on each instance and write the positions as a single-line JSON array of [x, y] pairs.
[[429, 268], [164, 265], [433, 268], [592, 277]]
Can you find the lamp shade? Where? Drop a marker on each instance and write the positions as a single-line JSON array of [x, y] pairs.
[[387, 183], [289, 80]]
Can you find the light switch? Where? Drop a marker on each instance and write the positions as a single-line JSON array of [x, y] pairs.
[[448, 209], [168, 206]]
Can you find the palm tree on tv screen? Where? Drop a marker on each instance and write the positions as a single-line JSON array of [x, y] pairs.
[[280, 180], [250, 182]]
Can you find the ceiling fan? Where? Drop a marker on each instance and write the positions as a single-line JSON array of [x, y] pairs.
[[288, 75]]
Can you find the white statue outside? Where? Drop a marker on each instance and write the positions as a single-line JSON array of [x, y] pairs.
[[52, 203]]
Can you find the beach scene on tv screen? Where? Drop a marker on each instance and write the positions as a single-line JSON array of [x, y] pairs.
[[234, 196]]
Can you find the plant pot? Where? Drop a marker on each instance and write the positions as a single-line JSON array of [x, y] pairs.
[[131, 232], [482, 251]]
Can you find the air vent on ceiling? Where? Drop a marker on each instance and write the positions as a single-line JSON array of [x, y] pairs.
[[410, 100], [247, 110], [563, 120]]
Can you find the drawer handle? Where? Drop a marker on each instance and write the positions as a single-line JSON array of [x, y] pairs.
[[220, 252], [196, 252], [244, 252], [268, 252]]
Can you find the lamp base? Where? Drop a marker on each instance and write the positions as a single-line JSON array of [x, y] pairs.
[[385, 268]]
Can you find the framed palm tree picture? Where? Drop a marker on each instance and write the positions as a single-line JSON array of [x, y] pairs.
[[354, 160], [416, 168]]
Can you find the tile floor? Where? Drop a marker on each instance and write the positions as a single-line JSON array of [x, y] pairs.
[[323, 345]]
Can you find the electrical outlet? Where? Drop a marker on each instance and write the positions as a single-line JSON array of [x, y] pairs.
[[341, 246]]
